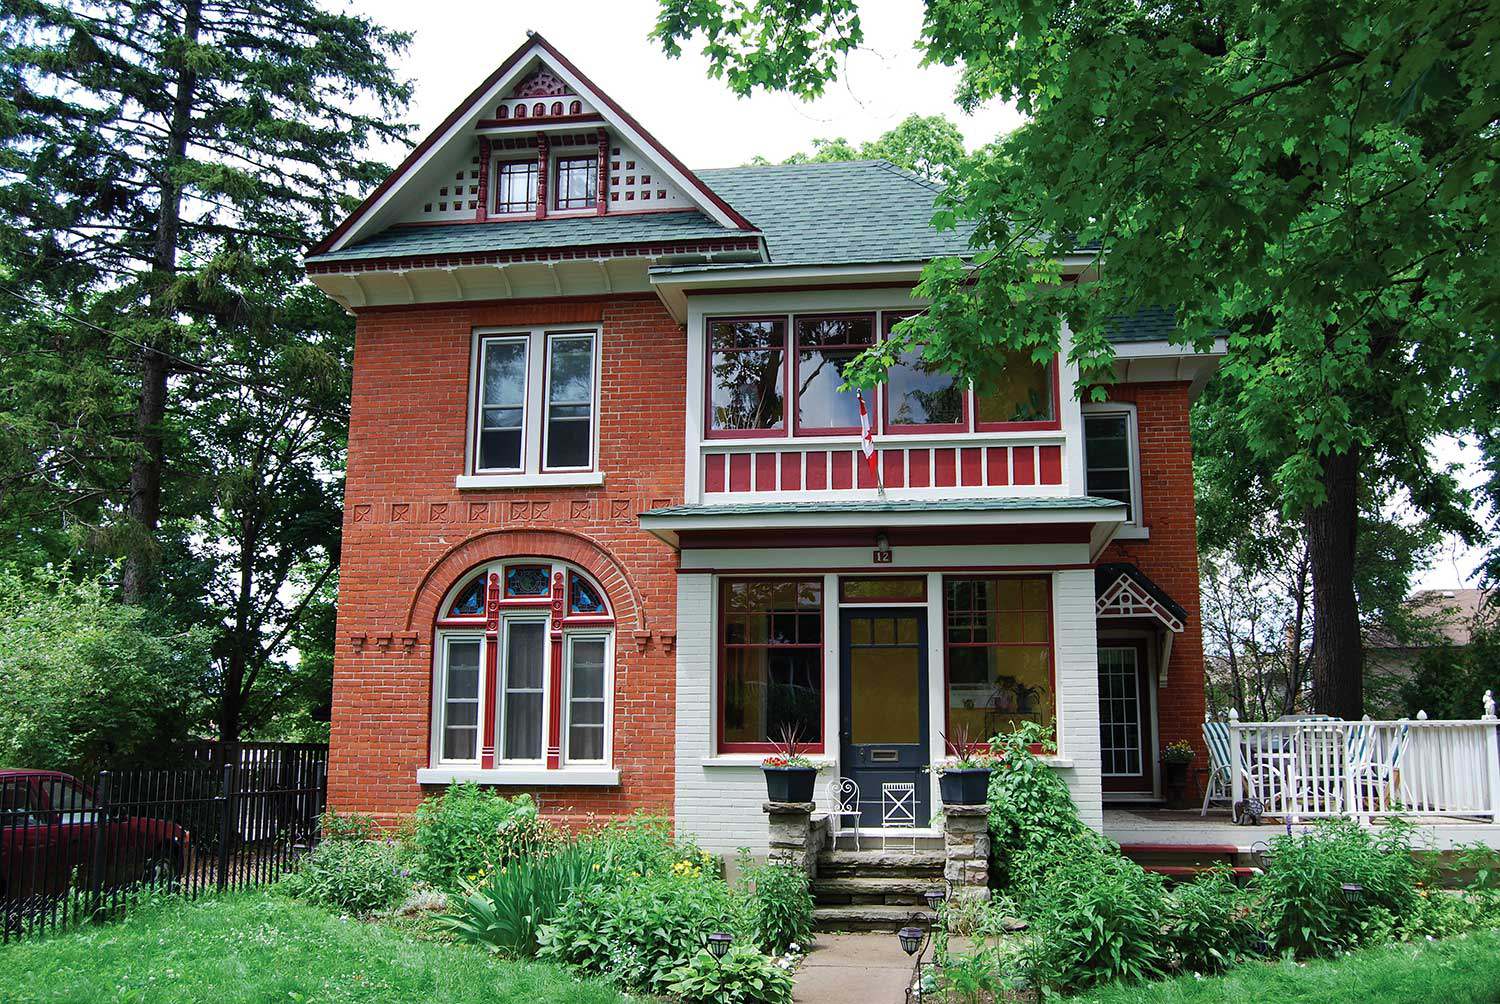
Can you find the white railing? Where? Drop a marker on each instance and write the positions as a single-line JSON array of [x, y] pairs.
[[1314, 768]]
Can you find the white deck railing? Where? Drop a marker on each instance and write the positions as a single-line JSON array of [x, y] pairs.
[[1317, 768]]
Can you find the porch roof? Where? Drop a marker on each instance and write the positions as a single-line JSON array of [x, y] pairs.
[[1105, 515]]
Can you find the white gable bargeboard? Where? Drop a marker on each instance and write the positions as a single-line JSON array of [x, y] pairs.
[[535, 97]]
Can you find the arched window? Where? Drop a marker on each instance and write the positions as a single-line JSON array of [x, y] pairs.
[[515, 639]]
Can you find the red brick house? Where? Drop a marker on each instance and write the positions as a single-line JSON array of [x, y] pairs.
[[608, 527]]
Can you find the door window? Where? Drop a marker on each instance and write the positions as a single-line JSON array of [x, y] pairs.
[[1120, 712]]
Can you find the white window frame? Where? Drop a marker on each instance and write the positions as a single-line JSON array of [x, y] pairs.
[[532, 473], [549, 339], [507, 622], [1141, 710], [445, 638], [1135, 527], [497, 167], [571, 638]]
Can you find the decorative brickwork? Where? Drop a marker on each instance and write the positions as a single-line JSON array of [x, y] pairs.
[[410, 535]]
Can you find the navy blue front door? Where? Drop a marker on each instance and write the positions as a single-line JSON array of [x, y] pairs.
[[883, 705]]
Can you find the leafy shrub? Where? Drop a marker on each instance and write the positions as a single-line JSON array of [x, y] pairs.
[[780, 907], [357, 876], [468, 832], [349, 826], [1304, 904], [507, 911], [638, 932], [1210, 924], [644, 845], [1100, 921], [973, 977], [742, 976], [1034, 825]]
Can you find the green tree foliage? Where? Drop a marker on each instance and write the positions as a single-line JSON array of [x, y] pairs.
[[1315, 181], [1450, 681], [928, 145], [88, 681]]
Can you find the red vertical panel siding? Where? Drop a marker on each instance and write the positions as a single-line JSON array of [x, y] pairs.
[[997, 466], [765, 472], [713, 472], [920, 468], [1025, 460], [739, 472], [865, 476], [1050, 458], [946, 468], [893, 468], [791, 471], [843, 469], [973, 466], [817, 471]]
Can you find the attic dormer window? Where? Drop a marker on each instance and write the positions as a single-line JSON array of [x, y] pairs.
[[577, 182], [515, 186]]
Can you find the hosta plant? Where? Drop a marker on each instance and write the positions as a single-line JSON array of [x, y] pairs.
[[742, 976]]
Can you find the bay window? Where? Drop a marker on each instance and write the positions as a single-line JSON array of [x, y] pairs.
[[535, 403], [770, 662], [998, 643], [523, 677]]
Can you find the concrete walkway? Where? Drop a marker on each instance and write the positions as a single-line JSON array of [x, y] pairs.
[[853, 969]]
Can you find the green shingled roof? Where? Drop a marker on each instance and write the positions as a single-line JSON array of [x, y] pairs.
[[521, 235], [839, 213]]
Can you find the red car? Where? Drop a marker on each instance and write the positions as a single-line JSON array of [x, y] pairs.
[[50, 829]]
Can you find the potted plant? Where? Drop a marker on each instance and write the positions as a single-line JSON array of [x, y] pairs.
[[1175, 758], [790, 775], [965, 778]]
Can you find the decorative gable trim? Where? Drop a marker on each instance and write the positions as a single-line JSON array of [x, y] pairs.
[[1129, 597], [559, 72]]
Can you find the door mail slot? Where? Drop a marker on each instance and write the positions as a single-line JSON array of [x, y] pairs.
[[884, 756]]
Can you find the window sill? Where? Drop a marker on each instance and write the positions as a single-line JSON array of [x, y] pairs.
[[754, 760], [599, 777], [1057, 762], [564, 479]]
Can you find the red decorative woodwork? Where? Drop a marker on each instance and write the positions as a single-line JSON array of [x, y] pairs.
[[542, 148], [483, 212], [797, 470], [893, 468], [971, 461], [765, 472], [1025, 464], [491, 668], [554, 718], [997, 466], [603, 198]]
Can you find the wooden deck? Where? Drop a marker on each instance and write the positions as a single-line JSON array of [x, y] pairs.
[[1187, 828]]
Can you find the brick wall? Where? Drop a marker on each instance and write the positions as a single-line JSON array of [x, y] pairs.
[[409, 535], [1170, 556]]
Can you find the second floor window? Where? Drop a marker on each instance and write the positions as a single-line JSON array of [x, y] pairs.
[[746, 361], [515, 186], [1109, 457], [577, 182], [825, 348], [1018, 391], [535, 402]]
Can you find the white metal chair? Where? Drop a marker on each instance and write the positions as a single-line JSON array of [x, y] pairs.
[[844, 802], [898, 810]]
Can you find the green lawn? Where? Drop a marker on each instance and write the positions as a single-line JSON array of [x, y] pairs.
[[1460, 970], [257, 947]]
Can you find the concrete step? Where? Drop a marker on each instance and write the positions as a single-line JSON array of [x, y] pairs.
[[885, 919], [886, 864], [874, 890]]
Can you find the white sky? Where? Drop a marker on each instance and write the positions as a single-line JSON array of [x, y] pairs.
[[457, 43]]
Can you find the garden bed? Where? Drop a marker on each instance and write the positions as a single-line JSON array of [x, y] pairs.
[[255, 947]]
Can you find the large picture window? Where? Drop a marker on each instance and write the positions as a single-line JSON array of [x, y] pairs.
[[495, 686], [747, 359], [770, 662], [825, 348], [998, 639], [535, 402]]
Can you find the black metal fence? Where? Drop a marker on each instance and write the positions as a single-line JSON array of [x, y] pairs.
[[71, 850]]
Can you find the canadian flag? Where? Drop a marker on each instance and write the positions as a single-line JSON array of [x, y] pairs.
[[867, 438]]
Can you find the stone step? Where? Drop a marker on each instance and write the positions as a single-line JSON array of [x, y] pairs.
[[874, 890], [886, 919], [887, 864]]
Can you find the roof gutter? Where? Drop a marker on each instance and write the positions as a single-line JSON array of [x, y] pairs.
[[675, 285]]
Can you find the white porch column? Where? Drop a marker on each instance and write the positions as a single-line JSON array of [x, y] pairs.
[[1077, 653]]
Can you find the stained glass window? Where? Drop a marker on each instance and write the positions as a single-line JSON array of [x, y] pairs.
[[470, 600], [527, 580], [583, 598]]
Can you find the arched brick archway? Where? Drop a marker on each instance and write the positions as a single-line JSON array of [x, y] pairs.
[[494, 545]]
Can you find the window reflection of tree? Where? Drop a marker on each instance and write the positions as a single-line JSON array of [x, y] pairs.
[[935, 404], [746, 373]]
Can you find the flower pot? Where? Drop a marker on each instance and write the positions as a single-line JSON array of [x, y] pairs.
[[790, 784], [1174, 777], [970, 786]]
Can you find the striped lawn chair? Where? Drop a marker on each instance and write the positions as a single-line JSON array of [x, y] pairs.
[[1220, 786], [1376, 771]]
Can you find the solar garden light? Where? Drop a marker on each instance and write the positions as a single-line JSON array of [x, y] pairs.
[[935, 898], [911, 939], [718, 944], [1354, 893]]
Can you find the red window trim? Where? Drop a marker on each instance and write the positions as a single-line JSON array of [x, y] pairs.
[[795, 350], [949, 645], [720, 645], [500, 163], [709, 432], [889, 319], [1052, 425]]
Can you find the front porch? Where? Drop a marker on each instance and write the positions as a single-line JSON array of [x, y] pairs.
[[1188, 831]]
